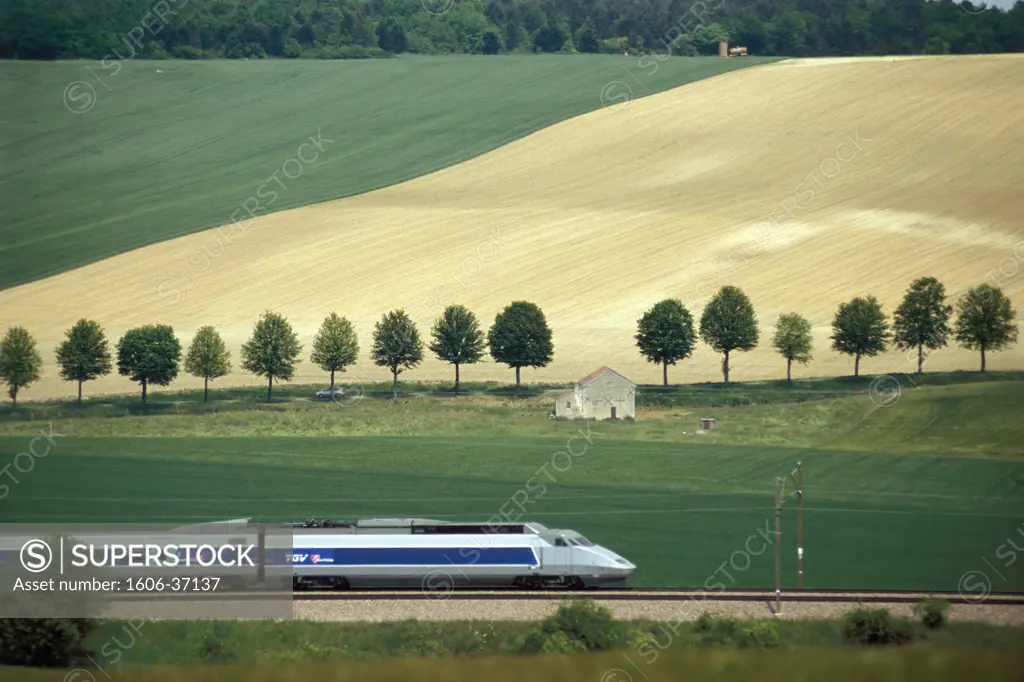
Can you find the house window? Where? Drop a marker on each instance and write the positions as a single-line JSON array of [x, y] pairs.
[[568, 404]]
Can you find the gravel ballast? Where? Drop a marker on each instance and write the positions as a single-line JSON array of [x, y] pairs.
[[377, 610]]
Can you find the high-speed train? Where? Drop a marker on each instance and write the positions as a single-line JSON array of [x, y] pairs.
[[440, 555], [385, 553]]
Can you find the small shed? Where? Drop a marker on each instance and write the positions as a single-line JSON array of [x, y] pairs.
[[604, 394]]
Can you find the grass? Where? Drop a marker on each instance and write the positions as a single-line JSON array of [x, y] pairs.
[[904, 664], [912, 495], [950, 413], [186, 642], [174, 147]]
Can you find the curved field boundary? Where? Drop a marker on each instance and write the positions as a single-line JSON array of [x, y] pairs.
[[157, 150]]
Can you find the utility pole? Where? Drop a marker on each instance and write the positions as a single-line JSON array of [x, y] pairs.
[[799, 526], [797, 475], [778, 545]]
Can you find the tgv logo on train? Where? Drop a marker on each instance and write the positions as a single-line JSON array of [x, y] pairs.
[[313, 559]]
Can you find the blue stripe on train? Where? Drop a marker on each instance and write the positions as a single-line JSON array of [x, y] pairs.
[[415, 556]]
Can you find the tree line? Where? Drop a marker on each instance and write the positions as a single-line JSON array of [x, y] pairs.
[[520, 337], [860, 328], [193, 29], [152, 355]]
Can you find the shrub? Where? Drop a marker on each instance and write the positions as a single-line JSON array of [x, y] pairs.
[[556, 642], [875, 627], [711, 631], [759, 635], [42, 642], [187, 52], [579, 625], [614, 45], [932, 613]]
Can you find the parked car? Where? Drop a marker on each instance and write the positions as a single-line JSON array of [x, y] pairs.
[[328, 394]]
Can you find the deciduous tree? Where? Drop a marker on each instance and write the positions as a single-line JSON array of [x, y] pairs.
[[19, 361], [520, 337], [985, 320], [793, 340], [457, 338], [922, 319], [335, 346], [860, 329], [84, 354], [729, 324], [149, 355], [665, 334], [272, 351], [396, 345], [207, 357]]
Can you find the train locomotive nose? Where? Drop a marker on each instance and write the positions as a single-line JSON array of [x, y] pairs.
[[615, 567], [624, 567]]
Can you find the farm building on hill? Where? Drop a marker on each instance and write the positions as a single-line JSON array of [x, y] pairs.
[[604, 394]]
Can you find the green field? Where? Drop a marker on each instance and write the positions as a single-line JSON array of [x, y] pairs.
[[912, 495], [896, 664], [173, 147], [182, 642]]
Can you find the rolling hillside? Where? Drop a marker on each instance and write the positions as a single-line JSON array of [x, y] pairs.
[[140, 152], [804, 182]]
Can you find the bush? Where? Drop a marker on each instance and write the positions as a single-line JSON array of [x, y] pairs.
[[579, 625], [875, 627], [552, 643], [614, 45], [292, 49], [187, 52], [43, 642], [759, 635], [711, 631], [344, 52], [932, 613]]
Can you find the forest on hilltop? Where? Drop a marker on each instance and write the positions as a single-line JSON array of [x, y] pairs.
[[331, 29]]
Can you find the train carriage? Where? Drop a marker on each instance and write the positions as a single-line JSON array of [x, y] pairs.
[[437, 555]]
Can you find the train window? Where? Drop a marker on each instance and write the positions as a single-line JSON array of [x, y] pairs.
[[559, 542], [583, 542]]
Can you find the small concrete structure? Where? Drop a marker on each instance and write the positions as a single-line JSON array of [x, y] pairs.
[[707, 424], [604, 394]]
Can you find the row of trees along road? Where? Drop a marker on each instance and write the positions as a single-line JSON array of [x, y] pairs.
[[151, 354], [520, 337], [665, 334]]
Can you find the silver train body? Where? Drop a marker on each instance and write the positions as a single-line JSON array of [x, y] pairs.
[[384, 553], [439, 556]]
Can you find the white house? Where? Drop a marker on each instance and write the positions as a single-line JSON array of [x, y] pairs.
[[604, 394]]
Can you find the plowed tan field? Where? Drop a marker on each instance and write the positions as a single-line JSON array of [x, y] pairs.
[[805, 183]]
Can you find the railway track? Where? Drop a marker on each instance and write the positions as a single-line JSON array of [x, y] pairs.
[[665, 594], [627, 594]]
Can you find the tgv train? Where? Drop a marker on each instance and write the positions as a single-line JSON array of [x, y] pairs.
[[439, 555], [380, 553]]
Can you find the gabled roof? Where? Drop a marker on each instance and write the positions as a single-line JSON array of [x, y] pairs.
[[604, 370]]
